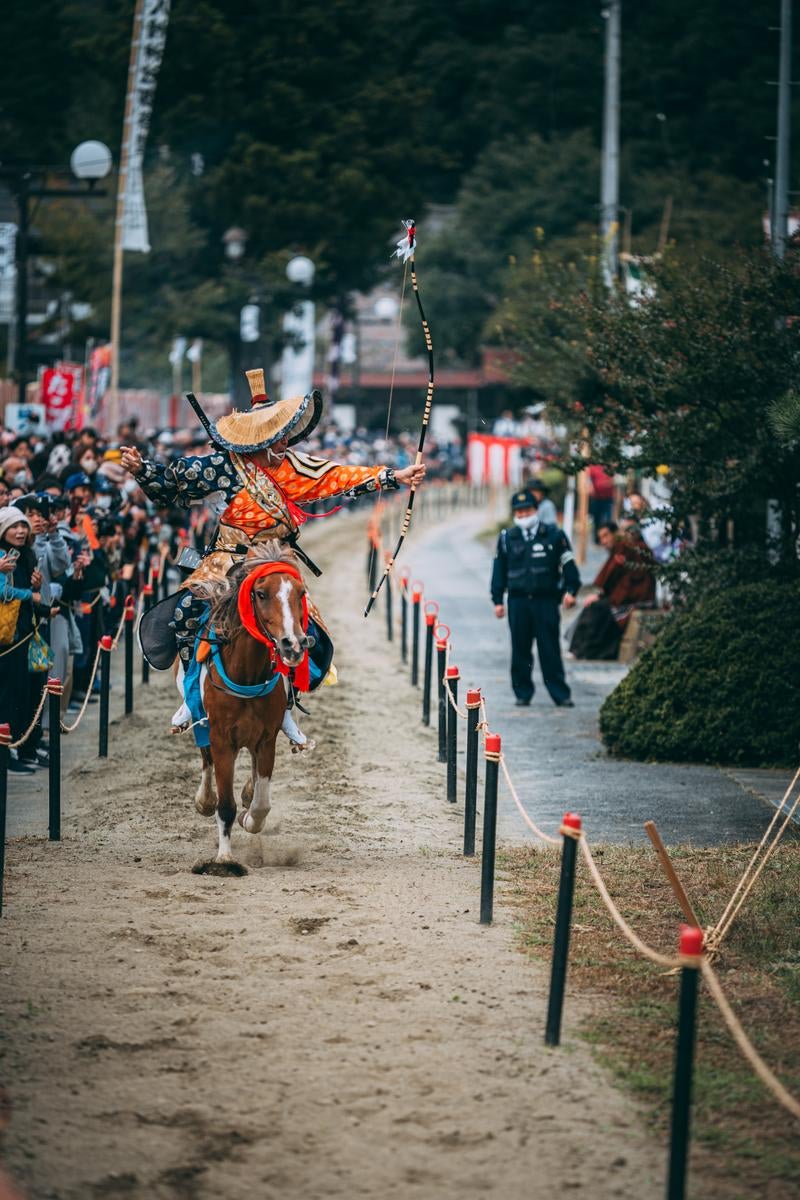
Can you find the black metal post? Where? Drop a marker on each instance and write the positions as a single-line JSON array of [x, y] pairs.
[[372, 566], [492, 753], [451, 683], [471, 792], [55, 691], [570, 829], [387, 588], [130, 617], [441, 659], [5, 753], [148, 603], [404, 619], [416, 602], [105, 686], [430, 621], [691, 948]]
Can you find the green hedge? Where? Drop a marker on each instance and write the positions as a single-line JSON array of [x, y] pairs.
[[720, 685]]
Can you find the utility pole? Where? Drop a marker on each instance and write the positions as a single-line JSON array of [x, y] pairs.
[[609, 184], [780, 231]]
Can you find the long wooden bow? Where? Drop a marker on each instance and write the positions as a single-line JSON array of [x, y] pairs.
[[405, 251]]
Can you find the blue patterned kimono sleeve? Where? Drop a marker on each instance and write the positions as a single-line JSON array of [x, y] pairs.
[[186, 479]]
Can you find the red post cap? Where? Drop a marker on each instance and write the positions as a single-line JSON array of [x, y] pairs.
[[493, 743], [130, 613], [148, 589], [473, 695], [106, 641], [430, 620], [416, 594], [5, 733], [53, 681], [571, 820], [691, 941], [453, 673]]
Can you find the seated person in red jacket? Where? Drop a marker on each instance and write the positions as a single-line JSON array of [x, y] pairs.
[[624, 582]]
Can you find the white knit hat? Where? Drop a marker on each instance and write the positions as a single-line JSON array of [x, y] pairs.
[[10, 515]]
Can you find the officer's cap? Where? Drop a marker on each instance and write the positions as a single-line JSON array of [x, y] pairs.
[[523, 499], [538, 485]]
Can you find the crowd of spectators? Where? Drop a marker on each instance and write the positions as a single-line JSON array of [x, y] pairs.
[[77, 533]]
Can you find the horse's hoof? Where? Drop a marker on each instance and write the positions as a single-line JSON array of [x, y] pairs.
[[249, 823], [299, 747], [206, 807], [216, 866]]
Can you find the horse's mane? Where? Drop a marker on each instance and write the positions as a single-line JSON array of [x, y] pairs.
[[223, 594]]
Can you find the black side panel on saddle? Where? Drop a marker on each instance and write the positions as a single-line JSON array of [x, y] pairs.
[[321, 654], [156, 638]]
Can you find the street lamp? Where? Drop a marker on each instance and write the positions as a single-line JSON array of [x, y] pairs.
[[90, 162], [235, 242], [297, 360], [246, 347]]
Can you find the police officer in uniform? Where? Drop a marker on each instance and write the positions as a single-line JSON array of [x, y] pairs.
[[534, 563]]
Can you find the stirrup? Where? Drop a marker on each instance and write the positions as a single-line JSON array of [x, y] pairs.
[[181, 720]]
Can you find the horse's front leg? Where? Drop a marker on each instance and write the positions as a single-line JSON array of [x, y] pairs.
[[204, 799], [224, 762], [263, 762]]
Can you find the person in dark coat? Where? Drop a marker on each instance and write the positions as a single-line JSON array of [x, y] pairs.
[[535, 565], [20, 580], [624, 582]]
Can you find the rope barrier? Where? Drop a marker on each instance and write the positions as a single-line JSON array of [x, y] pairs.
[[29, 730], [70, 728], [742, 890], [16, 645], [661, 960], [545, 837], [747, 1048]]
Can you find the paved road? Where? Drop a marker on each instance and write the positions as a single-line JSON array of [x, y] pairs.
[[555, 756]]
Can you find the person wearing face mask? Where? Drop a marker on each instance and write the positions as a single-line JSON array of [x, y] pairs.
[[535, 565]]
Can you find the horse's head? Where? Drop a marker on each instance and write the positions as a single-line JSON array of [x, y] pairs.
[[278, 606]]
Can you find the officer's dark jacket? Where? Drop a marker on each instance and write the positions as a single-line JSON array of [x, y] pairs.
[[543, 565]]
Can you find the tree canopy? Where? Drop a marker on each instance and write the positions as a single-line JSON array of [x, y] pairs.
[[317, 126]]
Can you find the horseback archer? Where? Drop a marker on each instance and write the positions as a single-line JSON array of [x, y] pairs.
[[262, 481]]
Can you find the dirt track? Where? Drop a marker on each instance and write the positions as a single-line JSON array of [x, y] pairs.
[[336, 1023]]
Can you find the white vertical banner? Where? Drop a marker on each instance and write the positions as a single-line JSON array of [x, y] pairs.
[[8, 271], [149, 51]]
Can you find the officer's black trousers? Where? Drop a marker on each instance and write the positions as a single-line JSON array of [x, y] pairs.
[[536, 618]]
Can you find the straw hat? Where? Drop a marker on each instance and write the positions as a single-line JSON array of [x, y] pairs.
[[268, 420]]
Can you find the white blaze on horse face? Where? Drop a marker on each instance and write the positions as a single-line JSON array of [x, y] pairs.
[[289, 632]]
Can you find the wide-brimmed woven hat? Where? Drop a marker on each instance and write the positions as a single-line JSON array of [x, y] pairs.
[[268, 420]]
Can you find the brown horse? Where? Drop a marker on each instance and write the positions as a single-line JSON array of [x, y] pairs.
[[246, 722]]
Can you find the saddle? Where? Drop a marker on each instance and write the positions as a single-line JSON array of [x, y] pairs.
[[160, 648]]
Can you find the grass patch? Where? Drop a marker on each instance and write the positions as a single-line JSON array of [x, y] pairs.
[[744, 1142]]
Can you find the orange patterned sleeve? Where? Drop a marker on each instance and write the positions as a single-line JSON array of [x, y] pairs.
[[305, 478]]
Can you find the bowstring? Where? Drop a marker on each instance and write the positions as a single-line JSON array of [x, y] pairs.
[[396, 348]]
